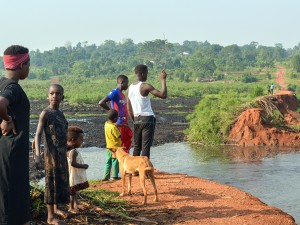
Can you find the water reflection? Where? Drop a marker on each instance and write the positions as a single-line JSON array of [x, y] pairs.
[[266, 172], [236, 154]]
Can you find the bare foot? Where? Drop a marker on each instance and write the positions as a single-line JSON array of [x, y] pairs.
[[56, 221], [73, 211], [80, 207], [61, 213]]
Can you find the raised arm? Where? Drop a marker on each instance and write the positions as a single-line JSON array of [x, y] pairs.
[[148, 88]]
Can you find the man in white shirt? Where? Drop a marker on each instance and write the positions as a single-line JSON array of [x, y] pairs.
[[140, 111]]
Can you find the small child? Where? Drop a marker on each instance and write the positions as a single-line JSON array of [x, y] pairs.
[[77, 168], [54, 126], [113, 140]]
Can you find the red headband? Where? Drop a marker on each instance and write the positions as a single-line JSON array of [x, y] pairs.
[[14, 61]]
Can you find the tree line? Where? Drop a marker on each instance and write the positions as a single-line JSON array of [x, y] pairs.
[[186, 61]]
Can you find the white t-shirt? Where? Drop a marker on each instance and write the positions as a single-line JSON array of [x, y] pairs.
[[141, 105], [76, 175]]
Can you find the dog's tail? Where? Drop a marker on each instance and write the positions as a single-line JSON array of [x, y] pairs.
[[148, 168]]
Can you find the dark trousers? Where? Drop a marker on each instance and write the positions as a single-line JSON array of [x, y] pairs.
[[144, 127]]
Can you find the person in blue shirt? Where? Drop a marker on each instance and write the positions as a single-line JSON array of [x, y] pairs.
[[118, 102], [272, 89]]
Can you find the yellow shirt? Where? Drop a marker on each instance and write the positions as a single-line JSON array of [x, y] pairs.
[[112, 135]]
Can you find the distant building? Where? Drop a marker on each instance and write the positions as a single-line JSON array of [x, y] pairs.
[[184, 54], [208, 79]]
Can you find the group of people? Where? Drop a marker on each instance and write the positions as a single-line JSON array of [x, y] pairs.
[[65, 171], [137, 105]]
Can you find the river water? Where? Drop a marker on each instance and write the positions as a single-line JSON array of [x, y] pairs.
[[271, 174]]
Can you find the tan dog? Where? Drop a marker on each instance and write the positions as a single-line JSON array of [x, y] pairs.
[[129, 165]]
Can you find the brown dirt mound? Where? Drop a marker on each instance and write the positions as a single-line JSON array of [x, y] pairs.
[[252, 130]]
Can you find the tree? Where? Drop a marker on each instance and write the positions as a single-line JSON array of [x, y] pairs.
[[279, 52], [80, 68], [231, 58], [190, 46], [249, 54], [200, 64], [265, 56], [296, 62], [153, 51]]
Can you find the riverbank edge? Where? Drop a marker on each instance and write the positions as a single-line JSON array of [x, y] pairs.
[[200, 201]]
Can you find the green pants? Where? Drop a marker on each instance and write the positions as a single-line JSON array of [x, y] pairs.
[[111, 164]]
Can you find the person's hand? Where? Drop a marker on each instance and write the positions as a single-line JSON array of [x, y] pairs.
[[163, 75], [86, 166], [7, 126]]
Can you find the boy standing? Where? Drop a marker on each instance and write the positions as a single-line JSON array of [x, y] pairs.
[[140, 111], [54, 128], [118, 102], [113, 140]]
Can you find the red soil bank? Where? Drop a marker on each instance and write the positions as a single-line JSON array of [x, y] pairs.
[[251, 130]]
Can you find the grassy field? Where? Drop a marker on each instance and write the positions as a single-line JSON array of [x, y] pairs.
[[79, 90]]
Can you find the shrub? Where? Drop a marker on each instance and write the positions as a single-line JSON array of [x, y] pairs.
[[258, 91], [248, 78], [212, 117], [37, 200]]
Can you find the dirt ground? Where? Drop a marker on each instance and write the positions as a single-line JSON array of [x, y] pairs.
[[280, 80], [170, 115], [183, 199]]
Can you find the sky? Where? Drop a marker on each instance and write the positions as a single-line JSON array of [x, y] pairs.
[[46, 24]]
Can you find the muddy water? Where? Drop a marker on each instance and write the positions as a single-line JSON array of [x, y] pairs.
[[270, 174]]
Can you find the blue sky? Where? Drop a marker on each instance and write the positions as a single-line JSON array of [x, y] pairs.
[[45, 24]]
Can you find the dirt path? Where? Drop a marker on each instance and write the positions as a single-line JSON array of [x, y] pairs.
[[280, 78], [186, 199]]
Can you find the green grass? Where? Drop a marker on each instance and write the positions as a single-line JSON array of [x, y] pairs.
[[296, 127], [34, 116], [83, 115], [176, 106], [107, 200], [90, 91]]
